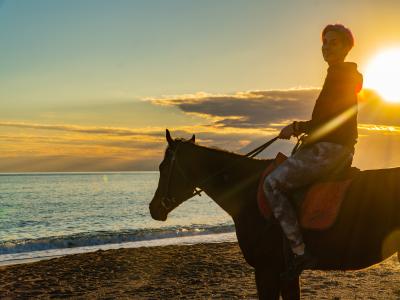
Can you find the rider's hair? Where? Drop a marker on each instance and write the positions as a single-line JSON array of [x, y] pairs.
[[344, 32]]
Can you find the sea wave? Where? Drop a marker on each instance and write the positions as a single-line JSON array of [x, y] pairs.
[[109, 237]]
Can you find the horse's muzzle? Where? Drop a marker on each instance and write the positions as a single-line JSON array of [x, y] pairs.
[[156, 212]]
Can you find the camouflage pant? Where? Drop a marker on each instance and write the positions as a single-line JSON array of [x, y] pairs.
[[304, 167]]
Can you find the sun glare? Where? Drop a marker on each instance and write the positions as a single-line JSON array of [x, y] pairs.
[[382, 74]]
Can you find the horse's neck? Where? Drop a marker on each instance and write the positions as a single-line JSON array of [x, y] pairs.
[[225, 177]]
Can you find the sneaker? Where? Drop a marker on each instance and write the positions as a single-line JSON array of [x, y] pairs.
[[298, 264], [303, 262]]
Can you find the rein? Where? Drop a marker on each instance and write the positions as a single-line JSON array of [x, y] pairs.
[[167, 202]]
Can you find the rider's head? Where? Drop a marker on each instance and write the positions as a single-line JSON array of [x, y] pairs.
[[337, 41]]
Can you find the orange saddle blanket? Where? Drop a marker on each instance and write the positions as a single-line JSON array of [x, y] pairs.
[[320, 206]]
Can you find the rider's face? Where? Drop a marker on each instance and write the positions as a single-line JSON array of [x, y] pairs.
[[333, 49]]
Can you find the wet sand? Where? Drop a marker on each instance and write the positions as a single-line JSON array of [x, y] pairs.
[[201, 271]]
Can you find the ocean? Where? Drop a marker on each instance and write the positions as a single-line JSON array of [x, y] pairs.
[[45, 215]]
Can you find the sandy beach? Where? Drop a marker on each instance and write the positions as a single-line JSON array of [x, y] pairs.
[[200, 271]]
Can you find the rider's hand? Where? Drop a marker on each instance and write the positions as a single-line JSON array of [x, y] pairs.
[[286, 132]]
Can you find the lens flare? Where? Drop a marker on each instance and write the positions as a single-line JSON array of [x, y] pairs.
[[391, 244]]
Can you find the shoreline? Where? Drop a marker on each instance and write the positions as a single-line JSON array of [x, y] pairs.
[[38, 255], [197, 271]]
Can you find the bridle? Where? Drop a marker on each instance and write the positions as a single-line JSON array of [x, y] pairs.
[[170, 202], [167, 201]]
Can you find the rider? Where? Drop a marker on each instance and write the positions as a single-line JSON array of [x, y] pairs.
[[330, 138]]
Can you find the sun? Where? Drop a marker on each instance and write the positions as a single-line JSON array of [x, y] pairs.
[[382, 74]]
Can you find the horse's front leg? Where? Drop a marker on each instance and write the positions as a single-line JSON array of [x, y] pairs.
[[290, 289], [268, 285]]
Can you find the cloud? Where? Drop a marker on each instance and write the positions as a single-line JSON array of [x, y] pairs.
[[129, 138], [252, 109], [237, 122], [85, 129], [380, 129], [274, 108], [379, 122], [60, 147]]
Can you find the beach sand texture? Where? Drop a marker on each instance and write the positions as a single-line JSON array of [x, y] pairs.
[[200, 271]]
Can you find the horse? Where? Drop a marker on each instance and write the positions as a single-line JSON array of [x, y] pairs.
[[365, 232]]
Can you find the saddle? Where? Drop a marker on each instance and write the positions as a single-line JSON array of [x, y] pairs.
[[317, 205]]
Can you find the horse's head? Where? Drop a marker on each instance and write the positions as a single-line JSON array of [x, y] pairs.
[[174, 187]]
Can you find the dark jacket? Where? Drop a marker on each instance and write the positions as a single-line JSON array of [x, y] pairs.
[[334, 118]]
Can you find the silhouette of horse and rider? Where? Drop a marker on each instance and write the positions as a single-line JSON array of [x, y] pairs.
[[277, 246]]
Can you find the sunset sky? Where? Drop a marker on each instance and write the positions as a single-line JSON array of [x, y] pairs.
[[92, 85]]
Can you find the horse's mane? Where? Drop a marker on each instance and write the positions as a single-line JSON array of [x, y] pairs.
[[215, 149]]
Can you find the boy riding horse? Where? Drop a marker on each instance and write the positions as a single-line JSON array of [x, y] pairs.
[[330, 138]]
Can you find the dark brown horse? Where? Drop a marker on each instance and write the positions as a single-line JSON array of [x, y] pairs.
[[365, 232]]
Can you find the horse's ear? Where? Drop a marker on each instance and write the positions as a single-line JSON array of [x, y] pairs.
[[168, 136], [192, 139]]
